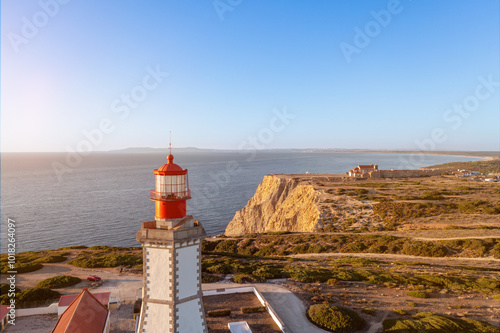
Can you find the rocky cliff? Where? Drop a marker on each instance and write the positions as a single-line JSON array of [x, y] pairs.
[[281, 203], [308, 203]]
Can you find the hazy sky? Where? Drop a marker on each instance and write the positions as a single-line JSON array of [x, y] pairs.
[[110, 74]]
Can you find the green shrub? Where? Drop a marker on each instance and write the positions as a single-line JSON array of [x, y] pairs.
[[247, 250], [346, 275], [412, 304], [32, 297], [219, 313], [478, 206], [436, 323], [432, 195], [302, 248], [51, 259], [309, 275], [107, 260], [369, 311], [317, 248], [5, 287], [58, 282], [22, 267], [417, 294], [209, 278], [332, 281], [268, 272], [266, 251], [253, 309], [497, 297], [335, 318], [37, 294], [401, 312], [208, 246], [245, 278], [226, 246], [426, 249], [75, 247]]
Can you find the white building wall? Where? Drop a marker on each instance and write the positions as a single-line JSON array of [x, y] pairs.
[[187, 271], [159, 266], [158, 318], [190, 317]]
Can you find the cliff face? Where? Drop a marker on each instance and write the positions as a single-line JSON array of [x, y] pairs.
[[280, 204]]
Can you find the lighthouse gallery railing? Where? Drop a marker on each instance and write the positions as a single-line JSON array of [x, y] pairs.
[[170, 195]]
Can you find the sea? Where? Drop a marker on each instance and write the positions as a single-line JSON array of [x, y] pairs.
[[102, 198]]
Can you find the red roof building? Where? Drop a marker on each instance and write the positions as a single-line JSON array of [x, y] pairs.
[[86, 314], [362, 169], [4, 310], [66, 300]]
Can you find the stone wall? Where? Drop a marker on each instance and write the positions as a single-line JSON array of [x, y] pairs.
[[403, 173]]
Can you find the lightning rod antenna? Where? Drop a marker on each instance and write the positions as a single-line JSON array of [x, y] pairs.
[[170, 144]]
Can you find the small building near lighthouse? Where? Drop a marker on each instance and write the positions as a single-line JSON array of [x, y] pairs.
[[171, 291]]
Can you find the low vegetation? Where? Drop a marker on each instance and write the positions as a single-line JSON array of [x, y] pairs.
[[252, 309], [209, 278], [106, 256], [485, 167], [60, 281], [251, 269], [31, 261], [32, 297], [436, 323], [335, 318], [219, 313], [22, 267], [283, 245], [5, 288]]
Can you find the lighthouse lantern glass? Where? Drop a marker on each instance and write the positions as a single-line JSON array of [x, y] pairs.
[[174, 186]]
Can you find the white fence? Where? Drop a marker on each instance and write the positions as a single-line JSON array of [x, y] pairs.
[[51, 309]]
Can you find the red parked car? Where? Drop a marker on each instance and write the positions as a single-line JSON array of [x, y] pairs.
[[93, 278]]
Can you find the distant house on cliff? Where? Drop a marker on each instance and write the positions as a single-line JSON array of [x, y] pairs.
[[362, 169], [466, 173]]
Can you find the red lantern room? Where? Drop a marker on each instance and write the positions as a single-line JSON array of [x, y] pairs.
[[171, 191]]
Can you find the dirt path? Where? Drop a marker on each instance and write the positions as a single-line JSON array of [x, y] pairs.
[[377, 326], [460, 260], [452, 238]]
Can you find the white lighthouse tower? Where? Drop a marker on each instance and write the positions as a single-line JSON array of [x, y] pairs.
[[171, 293]]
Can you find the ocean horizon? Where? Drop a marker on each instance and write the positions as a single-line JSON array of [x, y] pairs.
[[103, 199]]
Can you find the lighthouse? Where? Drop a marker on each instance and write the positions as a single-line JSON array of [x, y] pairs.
[[171, 292]]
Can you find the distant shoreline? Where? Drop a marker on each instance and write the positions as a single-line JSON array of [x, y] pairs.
[[482, 155], [486, 155]]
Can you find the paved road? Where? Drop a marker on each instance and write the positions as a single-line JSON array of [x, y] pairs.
[[289, 308]]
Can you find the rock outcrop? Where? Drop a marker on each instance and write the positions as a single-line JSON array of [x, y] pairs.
[[281, 203]]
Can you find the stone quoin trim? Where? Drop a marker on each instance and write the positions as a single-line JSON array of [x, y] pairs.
[[172, 293]]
